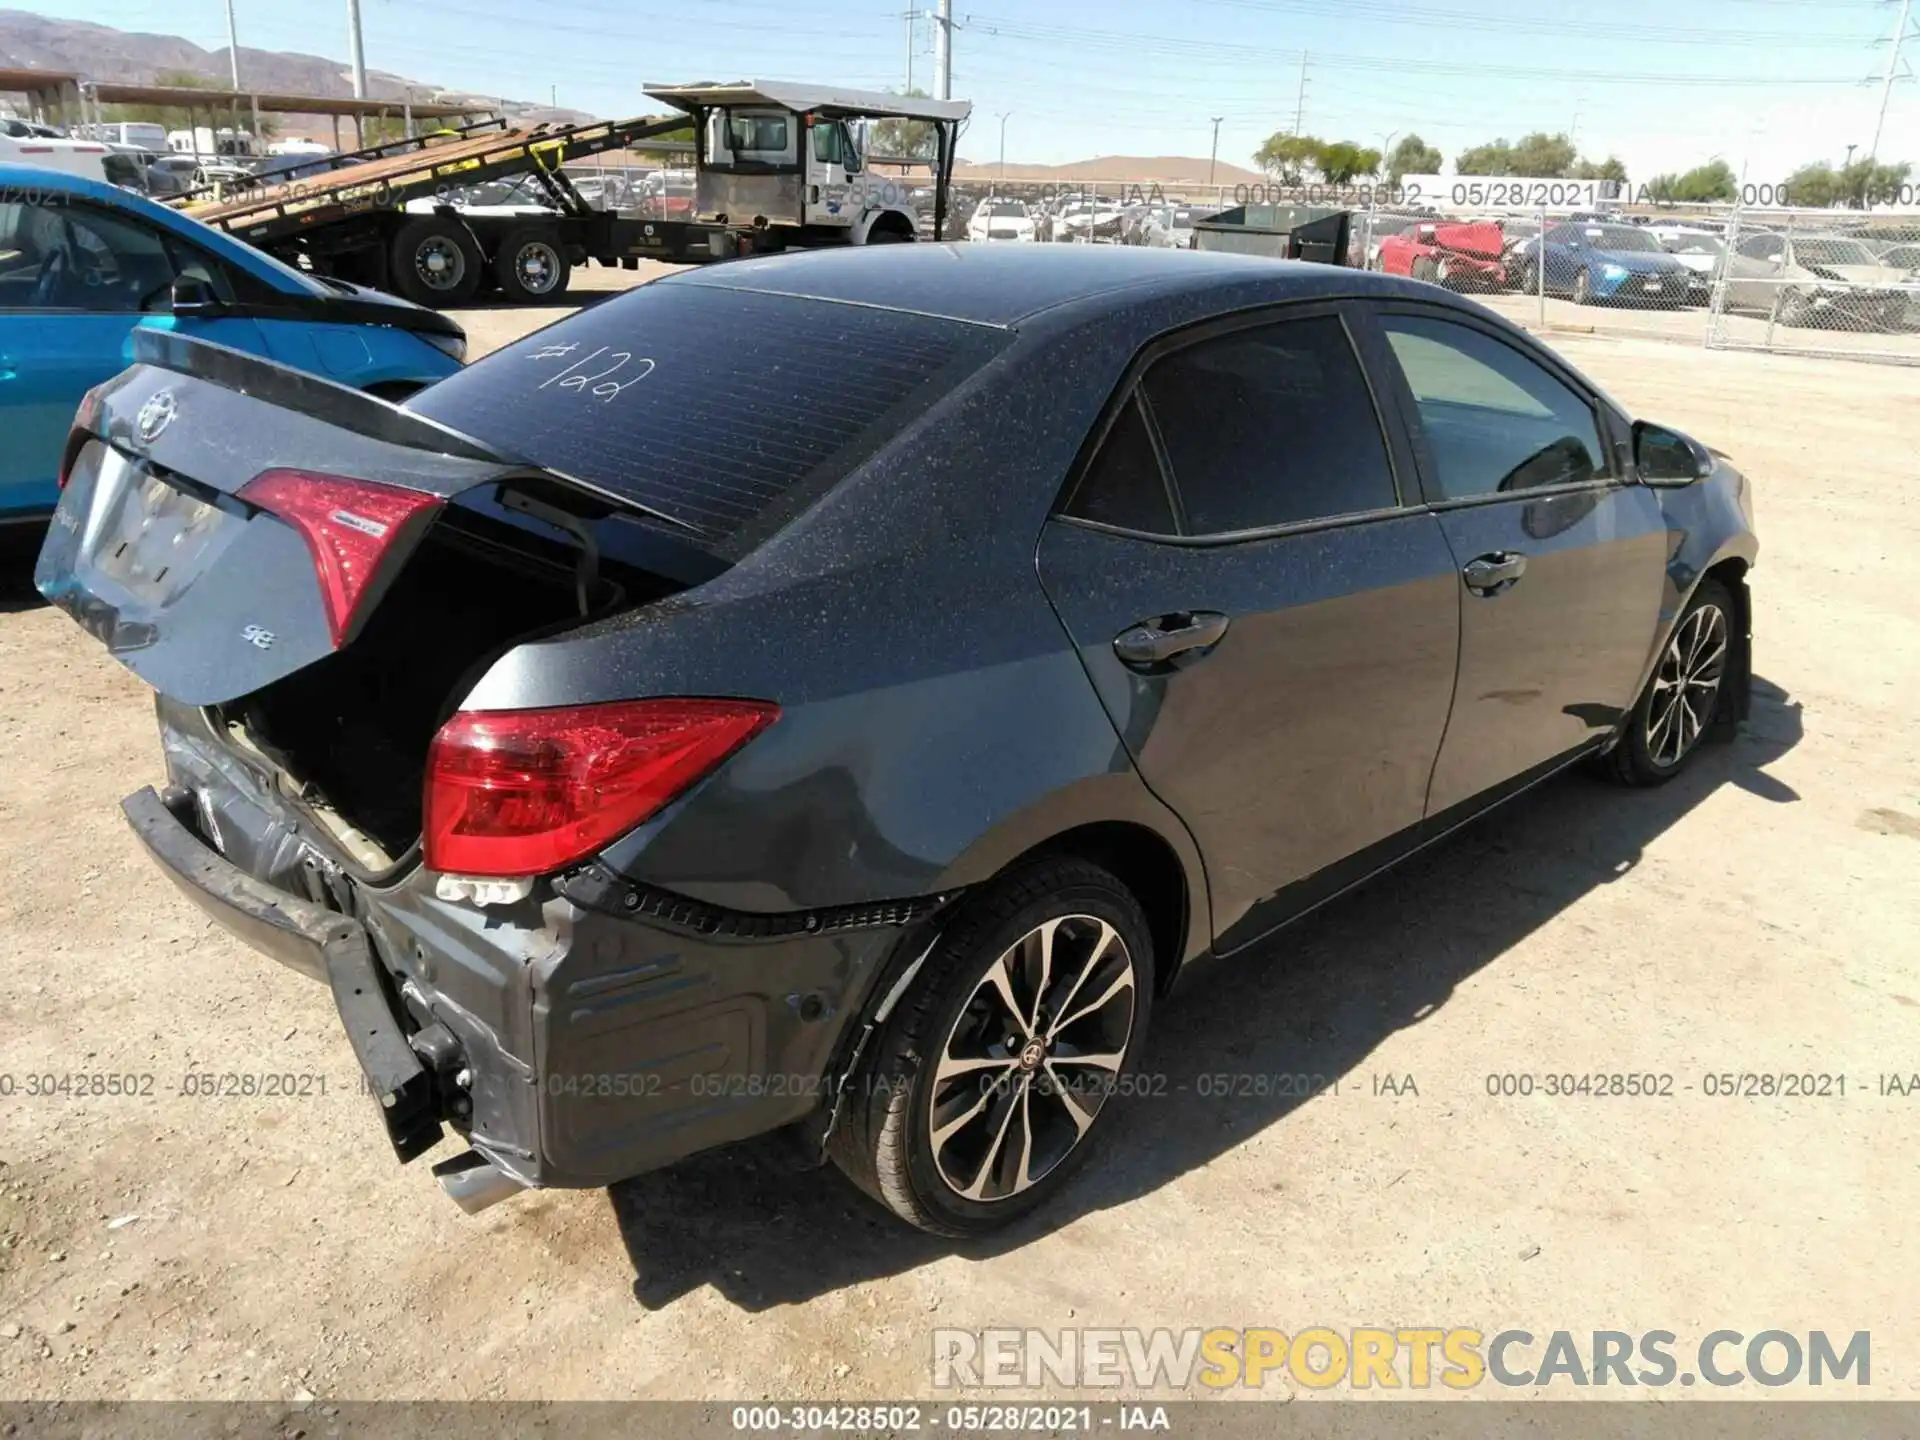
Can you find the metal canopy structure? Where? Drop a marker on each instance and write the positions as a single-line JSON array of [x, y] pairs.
[[182, 97], [62, 98], [811, 100]]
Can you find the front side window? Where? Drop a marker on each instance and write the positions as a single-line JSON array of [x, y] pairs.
[[827, 149], [71, 257], [1494, 420], [1272, 425], [1763, 247]]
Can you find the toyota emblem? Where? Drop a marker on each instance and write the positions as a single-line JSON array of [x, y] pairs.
[[155, 415]]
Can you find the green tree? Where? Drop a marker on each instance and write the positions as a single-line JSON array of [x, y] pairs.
[[1548, 157], [1607, 169], [1341, 162], [1299, 159], [1711, 181], [1413, 156], [1290, 159], [1865, 183], [1815, 184]]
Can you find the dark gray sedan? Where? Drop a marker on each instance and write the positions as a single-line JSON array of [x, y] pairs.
[[846, 692]]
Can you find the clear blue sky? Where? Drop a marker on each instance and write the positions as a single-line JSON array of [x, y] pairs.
[[1664, 84]]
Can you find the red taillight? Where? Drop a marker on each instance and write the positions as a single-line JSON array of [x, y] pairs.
[[527, 792], [347, 524]]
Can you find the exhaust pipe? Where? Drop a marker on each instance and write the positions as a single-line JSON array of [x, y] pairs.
[[475, 1183]]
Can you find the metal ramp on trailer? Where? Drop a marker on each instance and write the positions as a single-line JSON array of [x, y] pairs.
[[387, 182]]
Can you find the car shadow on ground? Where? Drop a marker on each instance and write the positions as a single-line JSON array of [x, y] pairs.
[[19, 548], [1318, 999]]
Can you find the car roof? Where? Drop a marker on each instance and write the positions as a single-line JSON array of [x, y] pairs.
[[256, 263], [1003, 285]]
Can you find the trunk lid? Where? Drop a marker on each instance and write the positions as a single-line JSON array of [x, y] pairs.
[[153, 551]]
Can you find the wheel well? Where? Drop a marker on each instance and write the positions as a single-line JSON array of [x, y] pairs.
[[1148, 866], [893, 222]]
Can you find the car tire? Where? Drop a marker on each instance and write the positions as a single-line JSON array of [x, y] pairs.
[[1005, 1109], [1421, 269], [531, 266], [1582, 288], [434, 262], [1677, 709], [888, 237]]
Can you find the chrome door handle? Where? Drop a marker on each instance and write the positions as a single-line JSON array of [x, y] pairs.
[[1494, 573], [1156, 641]]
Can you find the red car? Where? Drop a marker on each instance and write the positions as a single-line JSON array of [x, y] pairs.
[[1460, 256]]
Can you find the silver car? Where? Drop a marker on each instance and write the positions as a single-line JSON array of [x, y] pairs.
[[1824, 280]]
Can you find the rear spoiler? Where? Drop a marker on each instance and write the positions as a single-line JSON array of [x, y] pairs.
[[306, 394]]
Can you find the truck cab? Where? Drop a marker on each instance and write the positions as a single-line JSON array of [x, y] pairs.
[[780, 164]]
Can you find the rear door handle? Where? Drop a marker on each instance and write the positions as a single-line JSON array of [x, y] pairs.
[[1491, 574], [1156, 641]]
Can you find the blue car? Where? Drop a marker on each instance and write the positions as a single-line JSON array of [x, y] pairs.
[[1593, 262], [83, 263]]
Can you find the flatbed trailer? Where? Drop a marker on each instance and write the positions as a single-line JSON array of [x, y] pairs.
[[389, 216], [777, 165]]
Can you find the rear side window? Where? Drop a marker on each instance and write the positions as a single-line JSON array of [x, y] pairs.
[[1124, 486], [1271, 426], [725, 410]]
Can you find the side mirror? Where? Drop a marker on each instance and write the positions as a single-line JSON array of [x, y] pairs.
[[1664, 457], [193, 296]]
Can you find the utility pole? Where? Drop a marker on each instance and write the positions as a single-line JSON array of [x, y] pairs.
[[1213, 155], [1850, 149], [1893, 71], [943, 50], [1004, 114], [912, 15], [233, 47], [357, 50], [553, 97], [1300, 105]]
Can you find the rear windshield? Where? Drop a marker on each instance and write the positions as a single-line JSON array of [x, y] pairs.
[[727, 411]]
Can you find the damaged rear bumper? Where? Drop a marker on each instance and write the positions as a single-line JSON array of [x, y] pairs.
[[312, 940], [595, 1030]]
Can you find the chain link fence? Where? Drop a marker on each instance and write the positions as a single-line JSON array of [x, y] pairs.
[[1831, 282]]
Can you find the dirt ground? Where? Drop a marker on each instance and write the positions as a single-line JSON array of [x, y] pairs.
[[1759, 915]]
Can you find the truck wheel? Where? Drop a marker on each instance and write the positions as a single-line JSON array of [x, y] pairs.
[[531, 266], [435, 262]]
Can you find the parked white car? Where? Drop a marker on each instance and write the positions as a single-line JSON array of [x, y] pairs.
[[85, 158], [1699, 249], [996, 219]]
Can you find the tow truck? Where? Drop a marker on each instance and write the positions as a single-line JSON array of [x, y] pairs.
[[776, 165]]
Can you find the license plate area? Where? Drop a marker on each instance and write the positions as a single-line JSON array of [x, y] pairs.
[[152, 538]]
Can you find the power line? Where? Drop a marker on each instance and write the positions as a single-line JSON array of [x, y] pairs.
[[1475, 22], [1112, 41]]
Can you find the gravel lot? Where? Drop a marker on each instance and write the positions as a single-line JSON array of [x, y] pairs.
[[1758, 915]]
